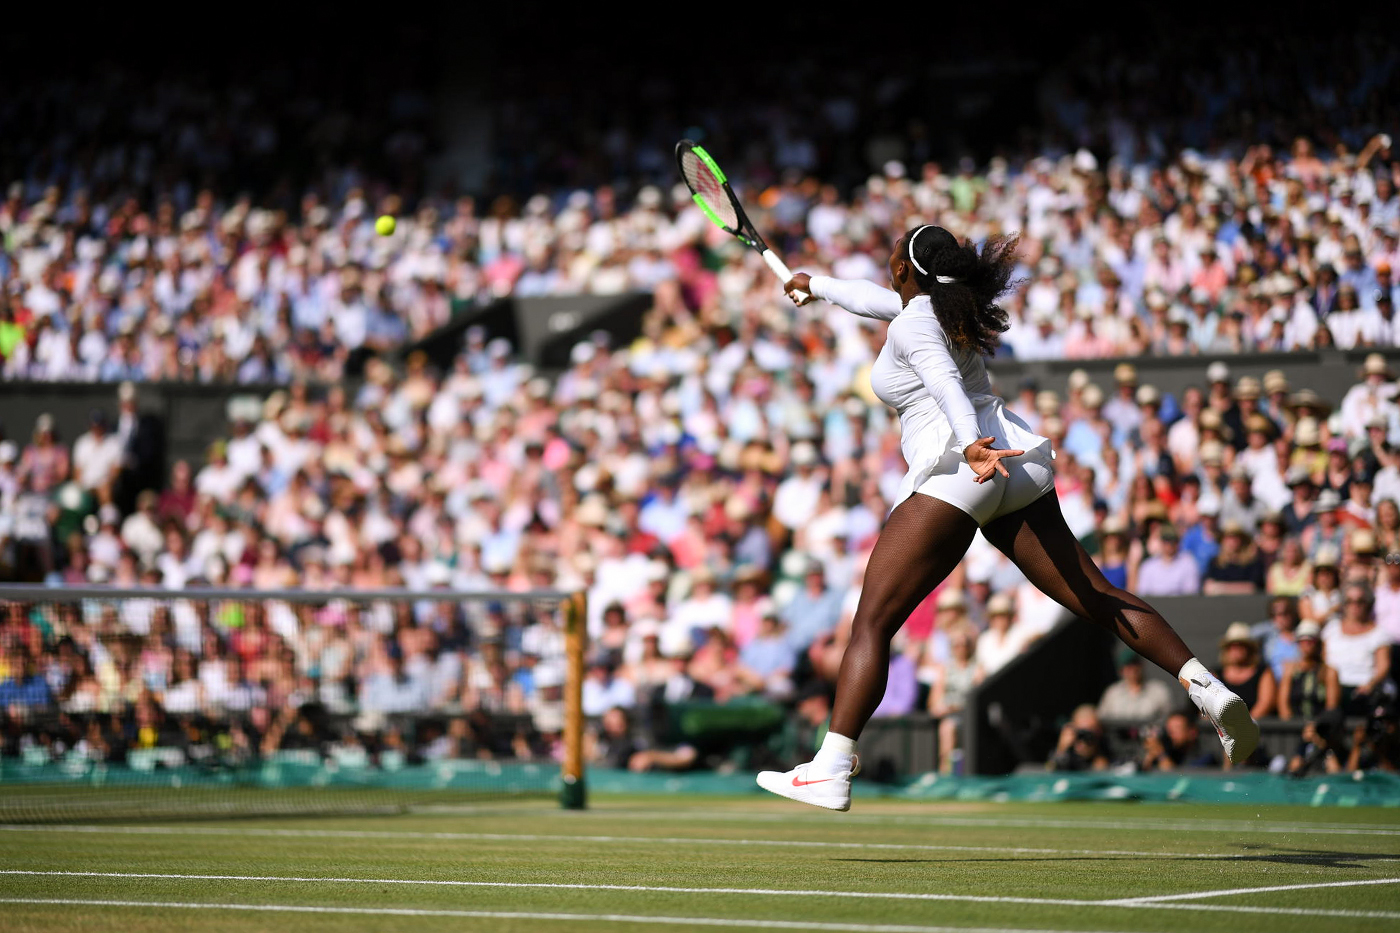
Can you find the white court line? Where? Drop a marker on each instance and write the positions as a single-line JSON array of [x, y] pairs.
[[514, 915], [564, 886], [564, 837], [1288, 911], [1128, 904], [1228, 892], [1213, 908], [914, 819]]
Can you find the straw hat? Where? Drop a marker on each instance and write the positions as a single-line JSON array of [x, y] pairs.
[[592, 511], [1238, 633], [1210, 420], [1275, 381], [1297, 476], [1363, 541], [950, 599], [1247, 387], [1307, 398], [1233, 526], [1260, 423], [1327, 501], [1306, 433], [1308, 630], [1092, 396], [1376, 365], [1113, 526], [1125, 374], [1000, 605]]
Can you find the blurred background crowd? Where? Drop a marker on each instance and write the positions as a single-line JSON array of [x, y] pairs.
[[222, 231], [716, 485]]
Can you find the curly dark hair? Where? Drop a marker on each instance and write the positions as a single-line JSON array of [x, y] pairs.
[[966, 307]]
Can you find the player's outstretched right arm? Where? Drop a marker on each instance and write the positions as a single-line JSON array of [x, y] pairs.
[[855, 295]]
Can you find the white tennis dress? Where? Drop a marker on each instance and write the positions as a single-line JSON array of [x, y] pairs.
[[945, 402]]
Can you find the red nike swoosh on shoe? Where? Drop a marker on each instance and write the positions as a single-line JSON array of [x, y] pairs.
[[797, 783]]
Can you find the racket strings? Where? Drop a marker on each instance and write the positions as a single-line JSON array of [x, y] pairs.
[[703, 182]]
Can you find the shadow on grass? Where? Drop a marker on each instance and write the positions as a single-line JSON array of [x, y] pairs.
[[1321, 859]]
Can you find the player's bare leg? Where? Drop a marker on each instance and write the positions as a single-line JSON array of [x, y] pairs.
[[919, 546], [1041, 544]]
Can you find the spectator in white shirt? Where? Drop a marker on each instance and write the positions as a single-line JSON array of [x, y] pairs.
[[141, 530], [1346, 322], [1374, 396], [218, 480], [97, 454], [795, 501], [705, 608], [1001, 641], [1358, 648]]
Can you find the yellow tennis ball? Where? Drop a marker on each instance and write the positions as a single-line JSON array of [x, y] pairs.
[[384, 226]]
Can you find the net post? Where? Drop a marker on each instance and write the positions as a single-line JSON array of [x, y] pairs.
[[574, 794]]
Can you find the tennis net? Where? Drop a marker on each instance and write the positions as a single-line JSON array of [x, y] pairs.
[[142, 703]]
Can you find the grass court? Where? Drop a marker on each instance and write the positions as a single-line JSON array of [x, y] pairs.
[[691, 864]]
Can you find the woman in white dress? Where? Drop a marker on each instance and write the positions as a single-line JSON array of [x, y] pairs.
[[972, 464]]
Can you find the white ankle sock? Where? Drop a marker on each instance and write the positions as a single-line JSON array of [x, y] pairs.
[[835, 755], [1194, 670]]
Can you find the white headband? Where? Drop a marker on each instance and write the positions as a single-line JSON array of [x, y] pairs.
[[940, 279]]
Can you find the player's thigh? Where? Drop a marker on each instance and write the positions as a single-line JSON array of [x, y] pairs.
[[921, 543], [1040, 543]]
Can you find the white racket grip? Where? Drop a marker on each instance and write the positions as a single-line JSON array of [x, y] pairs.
[[783, 273]]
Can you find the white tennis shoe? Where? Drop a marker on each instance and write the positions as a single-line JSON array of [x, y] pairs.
[[1238, 731], [831, 791]]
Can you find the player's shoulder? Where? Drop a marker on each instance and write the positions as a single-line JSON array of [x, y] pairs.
[[917, 318]]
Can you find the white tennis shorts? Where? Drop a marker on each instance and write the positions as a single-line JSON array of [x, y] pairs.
[[1032, 476]]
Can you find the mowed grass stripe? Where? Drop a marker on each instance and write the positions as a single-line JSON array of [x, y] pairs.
[[1121, 904], [553, 885], [625, 840], [999, 822], [757, 924]]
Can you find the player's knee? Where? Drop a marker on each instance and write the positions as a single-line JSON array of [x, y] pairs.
[[882, 620]]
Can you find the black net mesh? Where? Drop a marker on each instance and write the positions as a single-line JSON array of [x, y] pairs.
[[703, 182], [184, 704]]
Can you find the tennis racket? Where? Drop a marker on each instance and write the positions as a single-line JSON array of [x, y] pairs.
[[711, 191]]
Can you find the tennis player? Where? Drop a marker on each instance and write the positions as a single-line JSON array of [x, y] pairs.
[[972, 464]]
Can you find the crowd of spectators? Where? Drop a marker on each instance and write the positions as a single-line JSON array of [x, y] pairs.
[[717, 484], [1215, 222], [715, 497], [1213, 253]]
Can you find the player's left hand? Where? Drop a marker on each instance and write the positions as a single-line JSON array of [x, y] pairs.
[[985, 461]]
